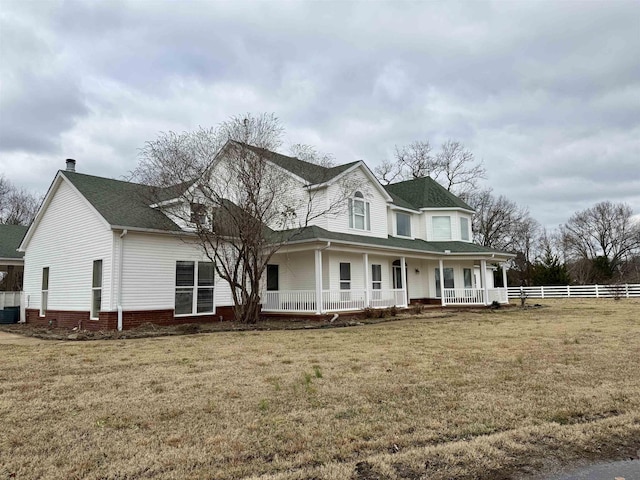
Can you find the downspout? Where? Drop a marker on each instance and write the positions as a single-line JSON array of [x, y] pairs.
[[120, 268]]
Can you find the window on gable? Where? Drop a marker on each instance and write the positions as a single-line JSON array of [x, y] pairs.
[[359, 212], [464, 228], [441, 228], [199, 215], [194, 287], [96, 289], [403, 224]]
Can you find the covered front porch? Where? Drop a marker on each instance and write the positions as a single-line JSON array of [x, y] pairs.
[[337, 278]]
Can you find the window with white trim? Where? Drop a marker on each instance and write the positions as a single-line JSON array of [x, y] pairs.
[[403, 224], [194, 288], [359, 212], [96, 289], [447, 273], [376, 277], [441, 227], [464, 228], [44, 298], [468, 278]]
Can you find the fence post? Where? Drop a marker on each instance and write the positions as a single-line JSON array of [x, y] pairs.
[[626, 289], [568, 291], [542, 290], [597, 291]]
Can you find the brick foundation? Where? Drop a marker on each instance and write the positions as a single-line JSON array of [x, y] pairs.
[[130, 319]]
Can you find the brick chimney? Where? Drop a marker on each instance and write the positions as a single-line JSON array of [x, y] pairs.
[[71, 165]]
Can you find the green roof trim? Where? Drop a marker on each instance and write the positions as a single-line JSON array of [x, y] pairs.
[[315, 233], [10, 239], [126, 204], [312, 173], [425, 192]]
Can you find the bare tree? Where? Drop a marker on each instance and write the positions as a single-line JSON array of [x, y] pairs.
[[604, 234], [388, 172], [17, 205], [415, 159], [454, 166], [456, 170], [308, 153], [240, 206]]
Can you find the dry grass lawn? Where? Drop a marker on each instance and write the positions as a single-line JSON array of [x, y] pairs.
[[491, 394]]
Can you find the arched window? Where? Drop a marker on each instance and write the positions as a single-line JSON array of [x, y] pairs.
[[359, 212]]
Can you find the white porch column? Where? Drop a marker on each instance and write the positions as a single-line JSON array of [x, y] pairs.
[[403, 266], [483, 276], [504, 275], [441, 272], [318, 272], [365, 264]]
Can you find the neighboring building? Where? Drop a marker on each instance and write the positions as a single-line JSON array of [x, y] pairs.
[[101, 255], [11, 261]]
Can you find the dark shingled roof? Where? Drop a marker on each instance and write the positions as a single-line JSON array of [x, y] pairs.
[[312, 173], [10, 238], [318, 233], [125, 204], [425, 192]]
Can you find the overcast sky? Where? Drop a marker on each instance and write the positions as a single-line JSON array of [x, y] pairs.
[[547, 94]]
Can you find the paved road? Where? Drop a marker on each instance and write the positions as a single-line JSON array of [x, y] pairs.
[[623, 470]]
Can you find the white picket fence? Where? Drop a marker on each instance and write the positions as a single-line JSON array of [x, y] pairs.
[[578, 291]]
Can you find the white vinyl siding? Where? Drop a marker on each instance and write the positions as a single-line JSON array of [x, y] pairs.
[[339, 220], [441, 228], [148, 281], [68, 238]]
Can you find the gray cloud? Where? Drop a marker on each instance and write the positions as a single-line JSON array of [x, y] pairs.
[[547, 94]]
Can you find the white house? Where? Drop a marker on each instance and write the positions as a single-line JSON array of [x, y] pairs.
[[100, 255]]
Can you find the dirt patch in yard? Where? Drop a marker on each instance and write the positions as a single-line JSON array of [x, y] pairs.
[[149, 330]]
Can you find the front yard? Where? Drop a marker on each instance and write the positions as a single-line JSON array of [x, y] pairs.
[[491, 394]]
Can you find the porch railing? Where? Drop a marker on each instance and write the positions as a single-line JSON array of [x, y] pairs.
[[289, 301], [9, 299], [474, 296], [463, 296], [332, 300]]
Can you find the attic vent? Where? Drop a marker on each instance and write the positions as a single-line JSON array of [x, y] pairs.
[[71, 165]]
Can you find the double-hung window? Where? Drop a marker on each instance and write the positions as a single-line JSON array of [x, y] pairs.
[[468, 278], [345, 280], [376, 277], [44, 298], [194, 287], [403, 224], [359, 212], [96, 289], [441, 228]]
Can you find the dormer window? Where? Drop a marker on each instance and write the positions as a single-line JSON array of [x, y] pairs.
[[403, 224], [359, 212], [199, 215]]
